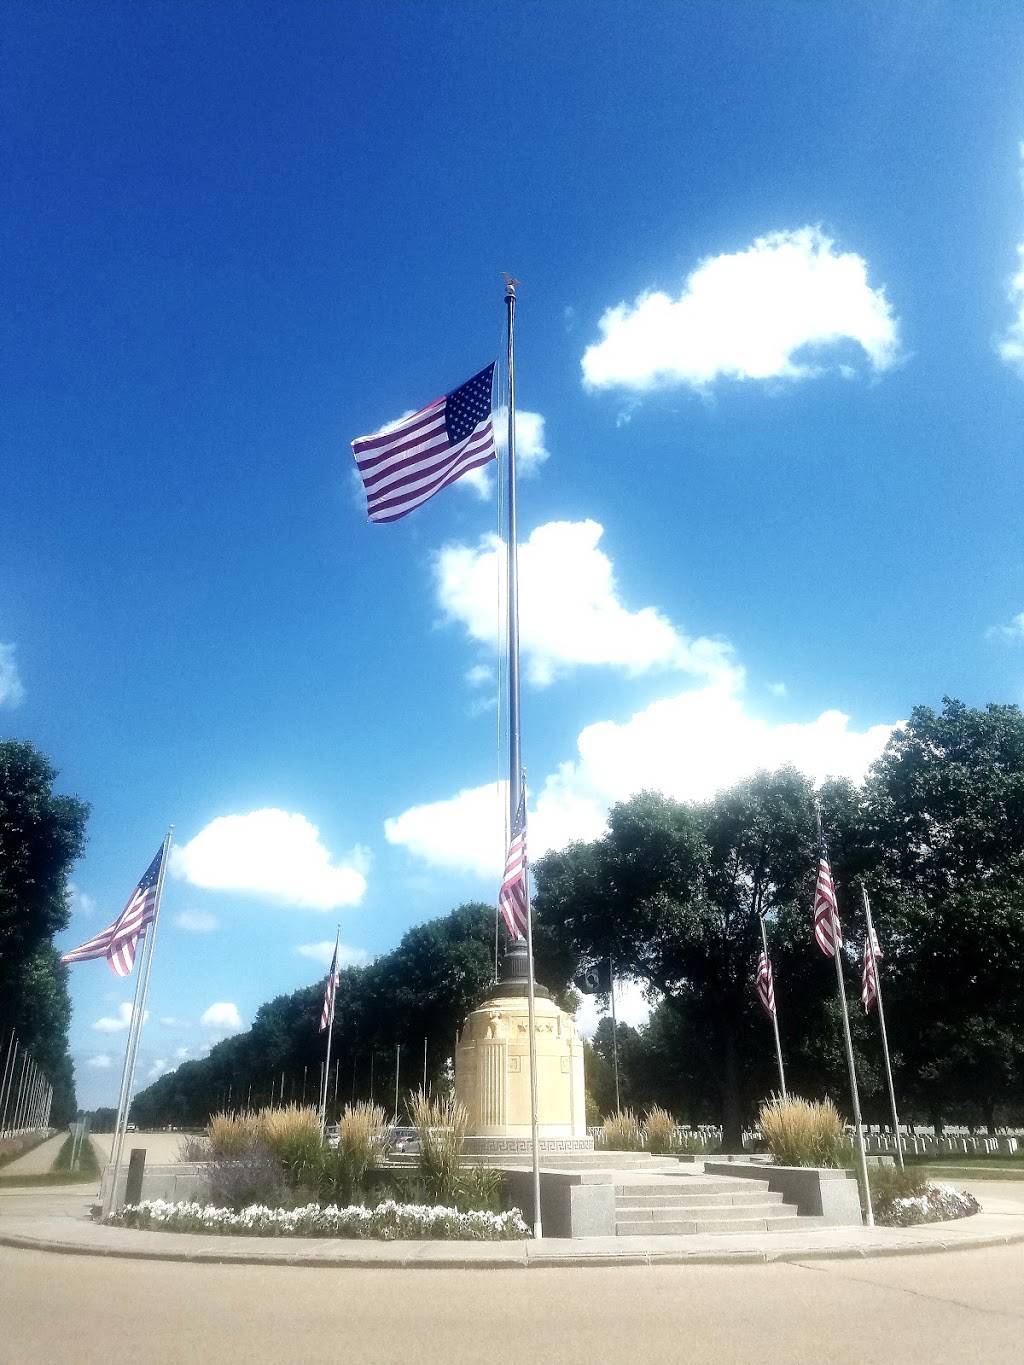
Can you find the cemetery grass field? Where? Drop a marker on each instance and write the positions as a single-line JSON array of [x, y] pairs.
[[997, 1166]]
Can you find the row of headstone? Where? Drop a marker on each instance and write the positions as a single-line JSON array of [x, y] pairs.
[[927, 1144]]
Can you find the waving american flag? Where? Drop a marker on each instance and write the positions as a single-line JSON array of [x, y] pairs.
[[407, 463], [765, 984], [512, 898], [119, 941], [827, 932]]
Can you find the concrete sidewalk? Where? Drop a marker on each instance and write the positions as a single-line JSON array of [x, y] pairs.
[[39, 1160], [58, 1220]]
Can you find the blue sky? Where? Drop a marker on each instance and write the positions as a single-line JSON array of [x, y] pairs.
[[771, 366]]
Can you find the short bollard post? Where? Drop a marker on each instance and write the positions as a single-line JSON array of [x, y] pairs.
[[133, 1185]]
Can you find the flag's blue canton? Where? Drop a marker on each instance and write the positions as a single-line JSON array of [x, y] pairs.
[[151, 874], [468, 406]]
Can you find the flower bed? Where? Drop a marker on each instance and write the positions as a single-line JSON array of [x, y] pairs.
[[388, 1222], [936, 1204]]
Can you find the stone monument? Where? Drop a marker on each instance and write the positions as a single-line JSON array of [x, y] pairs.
[[492, 1070]]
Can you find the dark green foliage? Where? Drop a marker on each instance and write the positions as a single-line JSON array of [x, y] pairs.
[[423, 988], [41, 836]]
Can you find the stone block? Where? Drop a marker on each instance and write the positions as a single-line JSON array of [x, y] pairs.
[[572, 1203], [815, 1190]]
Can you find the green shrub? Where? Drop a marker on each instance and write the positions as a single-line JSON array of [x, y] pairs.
[[804, 1132], [621, 1132], [441, 1126], [480, 1188]]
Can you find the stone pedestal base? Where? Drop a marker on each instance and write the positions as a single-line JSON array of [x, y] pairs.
[[522, 1147]]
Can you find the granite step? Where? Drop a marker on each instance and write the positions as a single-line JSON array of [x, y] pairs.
[[689, 1186], [691, 1227], [675, 1212], [670, 1199]]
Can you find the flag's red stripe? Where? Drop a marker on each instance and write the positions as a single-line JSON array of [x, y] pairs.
[[406, 426], [397, 506]]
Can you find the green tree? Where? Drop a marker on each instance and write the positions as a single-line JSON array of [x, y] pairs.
[[41, 836], [672, 892]]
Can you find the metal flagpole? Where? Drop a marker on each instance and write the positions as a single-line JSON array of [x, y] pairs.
[[615, 1035], [337, 1072], [885, 1037], [398, 1067], [775, 1020], [515, 765], [5, 1089], [138, 1015], [424, 1064], [330, 1035], [869, 1216]]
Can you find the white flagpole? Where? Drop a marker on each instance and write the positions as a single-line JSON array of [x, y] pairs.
[[5, 1089], [869, 1216], [881, 1024], [615, 1034], [330, 1035], [775, 1019], [138, 1016], [515, 773]]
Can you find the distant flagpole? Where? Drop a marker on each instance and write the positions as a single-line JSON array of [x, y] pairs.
[[773, 1012], [332, 987], [515, 762], [827, 928], [134, 1031], [615, 1033], [872, 941]]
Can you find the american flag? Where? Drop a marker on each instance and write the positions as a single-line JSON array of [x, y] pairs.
[[118, 942], [512, 900], [827, 932], [765, 984], [872, 956], [414, 459], [327, 1013]]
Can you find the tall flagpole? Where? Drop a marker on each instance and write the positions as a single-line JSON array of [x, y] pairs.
[[615, 1034], [138, 1016], [515, 762], [330, 1035], [885, 1037], [869, 1216], [775, 1017]]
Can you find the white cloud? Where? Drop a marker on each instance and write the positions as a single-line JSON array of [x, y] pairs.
[[324, 950], [631, 1007], [531, 450], [180, 1053], [1011, 348], [1012, 633], [778, 689], [159, 1066], [81, 904], [196, 921], [271, 853], [101, 1061], [222, 1015], [169, 1021], [12, 691], [746, 315], [480, 675], [688, 746], [571, 613], [118, 1022]]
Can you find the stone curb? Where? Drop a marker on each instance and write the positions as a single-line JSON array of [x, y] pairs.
[[430, 1256]]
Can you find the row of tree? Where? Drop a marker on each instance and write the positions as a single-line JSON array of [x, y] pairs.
[[935, 835], [41, 836], [672, 893]]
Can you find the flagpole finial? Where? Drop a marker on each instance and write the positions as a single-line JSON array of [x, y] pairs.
[[510, 285]]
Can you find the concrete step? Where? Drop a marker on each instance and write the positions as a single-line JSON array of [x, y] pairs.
[[689, 1185], [697, 1199], [693, 1227], [676, 1213]]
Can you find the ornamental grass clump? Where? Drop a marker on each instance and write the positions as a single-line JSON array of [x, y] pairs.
[[362, 1129], [804, 1132], [659, 1130], [441, 1126], [621, 1132], [292, 1134]]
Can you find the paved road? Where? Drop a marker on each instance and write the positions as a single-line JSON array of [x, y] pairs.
[[40, 1159], [159, 1147], [958, 1306]]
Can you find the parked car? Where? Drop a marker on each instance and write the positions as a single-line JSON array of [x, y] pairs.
[[403, 1140]]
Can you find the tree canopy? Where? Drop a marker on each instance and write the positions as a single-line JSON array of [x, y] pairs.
[[41, 835]]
